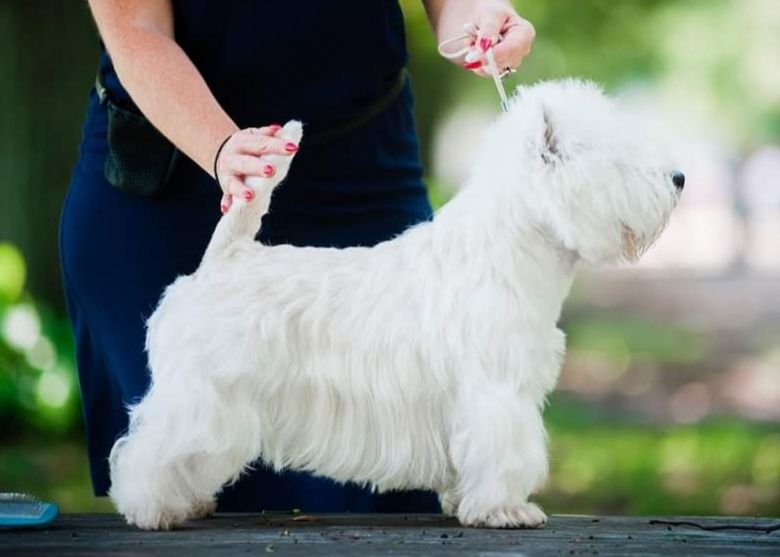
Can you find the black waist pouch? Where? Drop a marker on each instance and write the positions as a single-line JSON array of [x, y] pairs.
[[140, 159]]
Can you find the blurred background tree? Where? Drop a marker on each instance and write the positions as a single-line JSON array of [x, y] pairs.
[[670, 399]]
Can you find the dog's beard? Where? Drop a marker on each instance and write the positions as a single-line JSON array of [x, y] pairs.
[[634, 247]]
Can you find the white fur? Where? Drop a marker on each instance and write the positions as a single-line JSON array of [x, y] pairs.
[[423, 362]]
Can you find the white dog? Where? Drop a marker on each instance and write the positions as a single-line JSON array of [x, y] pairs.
[[423, 362]]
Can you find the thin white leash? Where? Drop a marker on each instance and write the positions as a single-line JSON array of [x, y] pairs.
[[470, 33]]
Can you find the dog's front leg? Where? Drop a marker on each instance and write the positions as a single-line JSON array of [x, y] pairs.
[[498, 449]]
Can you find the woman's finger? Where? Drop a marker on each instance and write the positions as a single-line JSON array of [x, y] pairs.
[[474, 59], [515, 46], [490, 21], [227, 201], [237, 188], [247, 165], [271, 130], [264, 145]]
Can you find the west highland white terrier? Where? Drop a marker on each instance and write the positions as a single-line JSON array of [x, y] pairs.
[[420, 363]]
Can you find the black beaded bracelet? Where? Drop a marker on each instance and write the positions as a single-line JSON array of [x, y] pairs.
[[216, 158]]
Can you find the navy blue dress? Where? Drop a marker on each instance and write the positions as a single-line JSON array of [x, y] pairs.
[[265, 62]]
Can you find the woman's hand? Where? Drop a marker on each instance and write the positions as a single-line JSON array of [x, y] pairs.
[[492, 18], [242, 156]]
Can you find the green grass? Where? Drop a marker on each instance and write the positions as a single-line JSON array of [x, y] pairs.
[[726, 466], [614, 336]]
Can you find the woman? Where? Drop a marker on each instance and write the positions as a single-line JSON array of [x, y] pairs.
[[214, 78]]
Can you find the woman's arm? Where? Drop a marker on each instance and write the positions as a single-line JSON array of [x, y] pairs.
[[171, 93], [492, 17]]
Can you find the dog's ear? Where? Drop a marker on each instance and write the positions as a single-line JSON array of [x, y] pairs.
[[550, 146]]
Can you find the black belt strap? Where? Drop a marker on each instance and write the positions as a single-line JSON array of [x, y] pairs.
[[365, 115]]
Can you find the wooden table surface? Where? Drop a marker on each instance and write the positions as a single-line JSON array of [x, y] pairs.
[[345, 534]]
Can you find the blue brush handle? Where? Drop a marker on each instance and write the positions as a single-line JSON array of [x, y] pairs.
[[49, 512]]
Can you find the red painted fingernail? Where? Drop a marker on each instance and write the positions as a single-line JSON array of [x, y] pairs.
[[290, 147], [248, 195], [485, 44], [473, 65], [268, 170]]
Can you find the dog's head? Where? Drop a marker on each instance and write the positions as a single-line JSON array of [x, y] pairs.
[[595, 181]]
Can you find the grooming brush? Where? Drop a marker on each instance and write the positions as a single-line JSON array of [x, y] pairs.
[[19, 510]]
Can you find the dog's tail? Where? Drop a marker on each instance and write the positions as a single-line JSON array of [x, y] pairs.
[[243, 219]]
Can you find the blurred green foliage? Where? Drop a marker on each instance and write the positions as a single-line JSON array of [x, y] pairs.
[[619, 467], [48, 56], [620, 335], [12, 273], [37, 369]]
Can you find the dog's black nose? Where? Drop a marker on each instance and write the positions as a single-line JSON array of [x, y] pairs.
[[678, 179]]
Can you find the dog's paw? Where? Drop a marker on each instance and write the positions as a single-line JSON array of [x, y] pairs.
[[449, 503], [156, 519], [203, 509], [145, 514], [527, 515]]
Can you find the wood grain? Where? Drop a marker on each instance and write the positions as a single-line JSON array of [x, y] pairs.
[[429, 535]]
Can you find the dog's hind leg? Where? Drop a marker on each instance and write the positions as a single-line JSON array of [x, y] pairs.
[[176, 456], [498, 449]]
